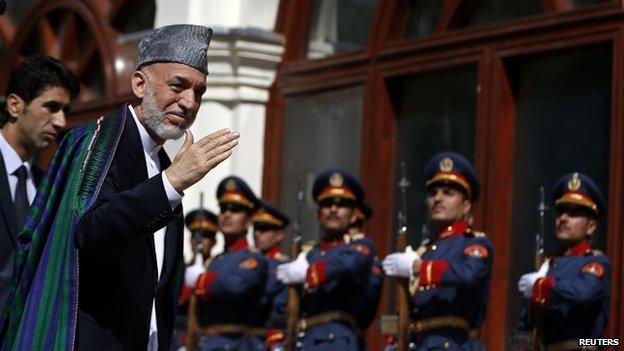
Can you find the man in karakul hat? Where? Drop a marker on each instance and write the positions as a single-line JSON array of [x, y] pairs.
[[100, 263]]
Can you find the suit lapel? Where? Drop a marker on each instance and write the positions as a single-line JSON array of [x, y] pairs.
[[132, 163], [171, 234], [132, 157], [6, 203]]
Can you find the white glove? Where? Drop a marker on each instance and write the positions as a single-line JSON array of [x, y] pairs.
[[399, 264], [526, 282], [192, 273], [295, 271]]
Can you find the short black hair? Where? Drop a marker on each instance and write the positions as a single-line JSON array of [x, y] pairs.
[[34, 75]]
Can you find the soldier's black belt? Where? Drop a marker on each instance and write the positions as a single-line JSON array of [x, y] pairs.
[[454, 322], [568, 345], [217, 329], [327, 317]]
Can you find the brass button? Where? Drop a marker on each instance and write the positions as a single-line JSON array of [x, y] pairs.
[[447, 345], [433, 247]]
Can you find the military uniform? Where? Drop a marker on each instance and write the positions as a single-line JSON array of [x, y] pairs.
[[371, 296], [337, 272], [573, 297], [275, 296], [202, 224], [449, 300], [450, 292], [230, 291]]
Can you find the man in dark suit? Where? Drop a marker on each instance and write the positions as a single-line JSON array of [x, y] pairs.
[[37, 100], [130, 241]]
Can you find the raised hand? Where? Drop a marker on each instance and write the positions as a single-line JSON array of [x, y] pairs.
[[399, 264], [196, 159], [293, 272], [526, 282]]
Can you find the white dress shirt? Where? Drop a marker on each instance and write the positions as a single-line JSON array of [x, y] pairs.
[[152, 162], [12, 162]]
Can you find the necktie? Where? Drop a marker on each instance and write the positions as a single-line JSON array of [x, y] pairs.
[[21, 197]]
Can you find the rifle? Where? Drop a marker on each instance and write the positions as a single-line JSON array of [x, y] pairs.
[[402, 292], [197, 249], [294, 291], [536, 311], [539, 236]]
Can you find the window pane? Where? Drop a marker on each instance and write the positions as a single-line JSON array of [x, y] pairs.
[[320, 130], [562, 125], [436, 112], [423, 18], [490, 11], [339, 26]]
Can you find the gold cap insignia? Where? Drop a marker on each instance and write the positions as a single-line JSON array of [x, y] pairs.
[[575, 182], [446, 164], [230, 185], [336, 180]]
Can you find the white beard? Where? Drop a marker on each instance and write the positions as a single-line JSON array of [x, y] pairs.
[[155, 118]]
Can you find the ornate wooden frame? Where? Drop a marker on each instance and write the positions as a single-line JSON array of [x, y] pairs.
[[389, 55]]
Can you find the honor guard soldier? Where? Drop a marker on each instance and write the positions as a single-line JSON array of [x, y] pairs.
[[451, 272], [230, 290], [332, 270], [571, 290], [269, 224], [203, 227], [372, 295]]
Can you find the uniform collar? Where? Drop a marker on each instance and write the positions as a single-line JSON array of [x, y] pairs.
[[581, 249], [330, 244], [273, 253], [238, 245], [452, 230]]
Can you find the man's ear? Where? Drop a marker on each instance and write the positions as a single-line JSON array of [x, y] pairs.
[[353, 217], [591, 227], [248, 222], [15, 105], [139, 79], [280, 235], [467, 208]]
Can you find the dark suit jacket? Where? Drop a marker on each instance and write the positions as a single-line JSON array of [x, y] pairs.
[[8, 230], [117, 262]]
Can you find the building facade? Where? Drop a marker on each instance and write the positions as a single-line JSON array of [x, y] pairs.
[[527, 90]]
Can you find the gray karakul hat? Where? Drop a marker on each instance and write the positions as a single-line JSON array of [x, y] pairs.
[[180, 43]]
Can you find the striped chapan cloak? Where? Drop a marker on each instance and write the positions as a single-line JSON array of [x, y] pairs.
[[43, 309]]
